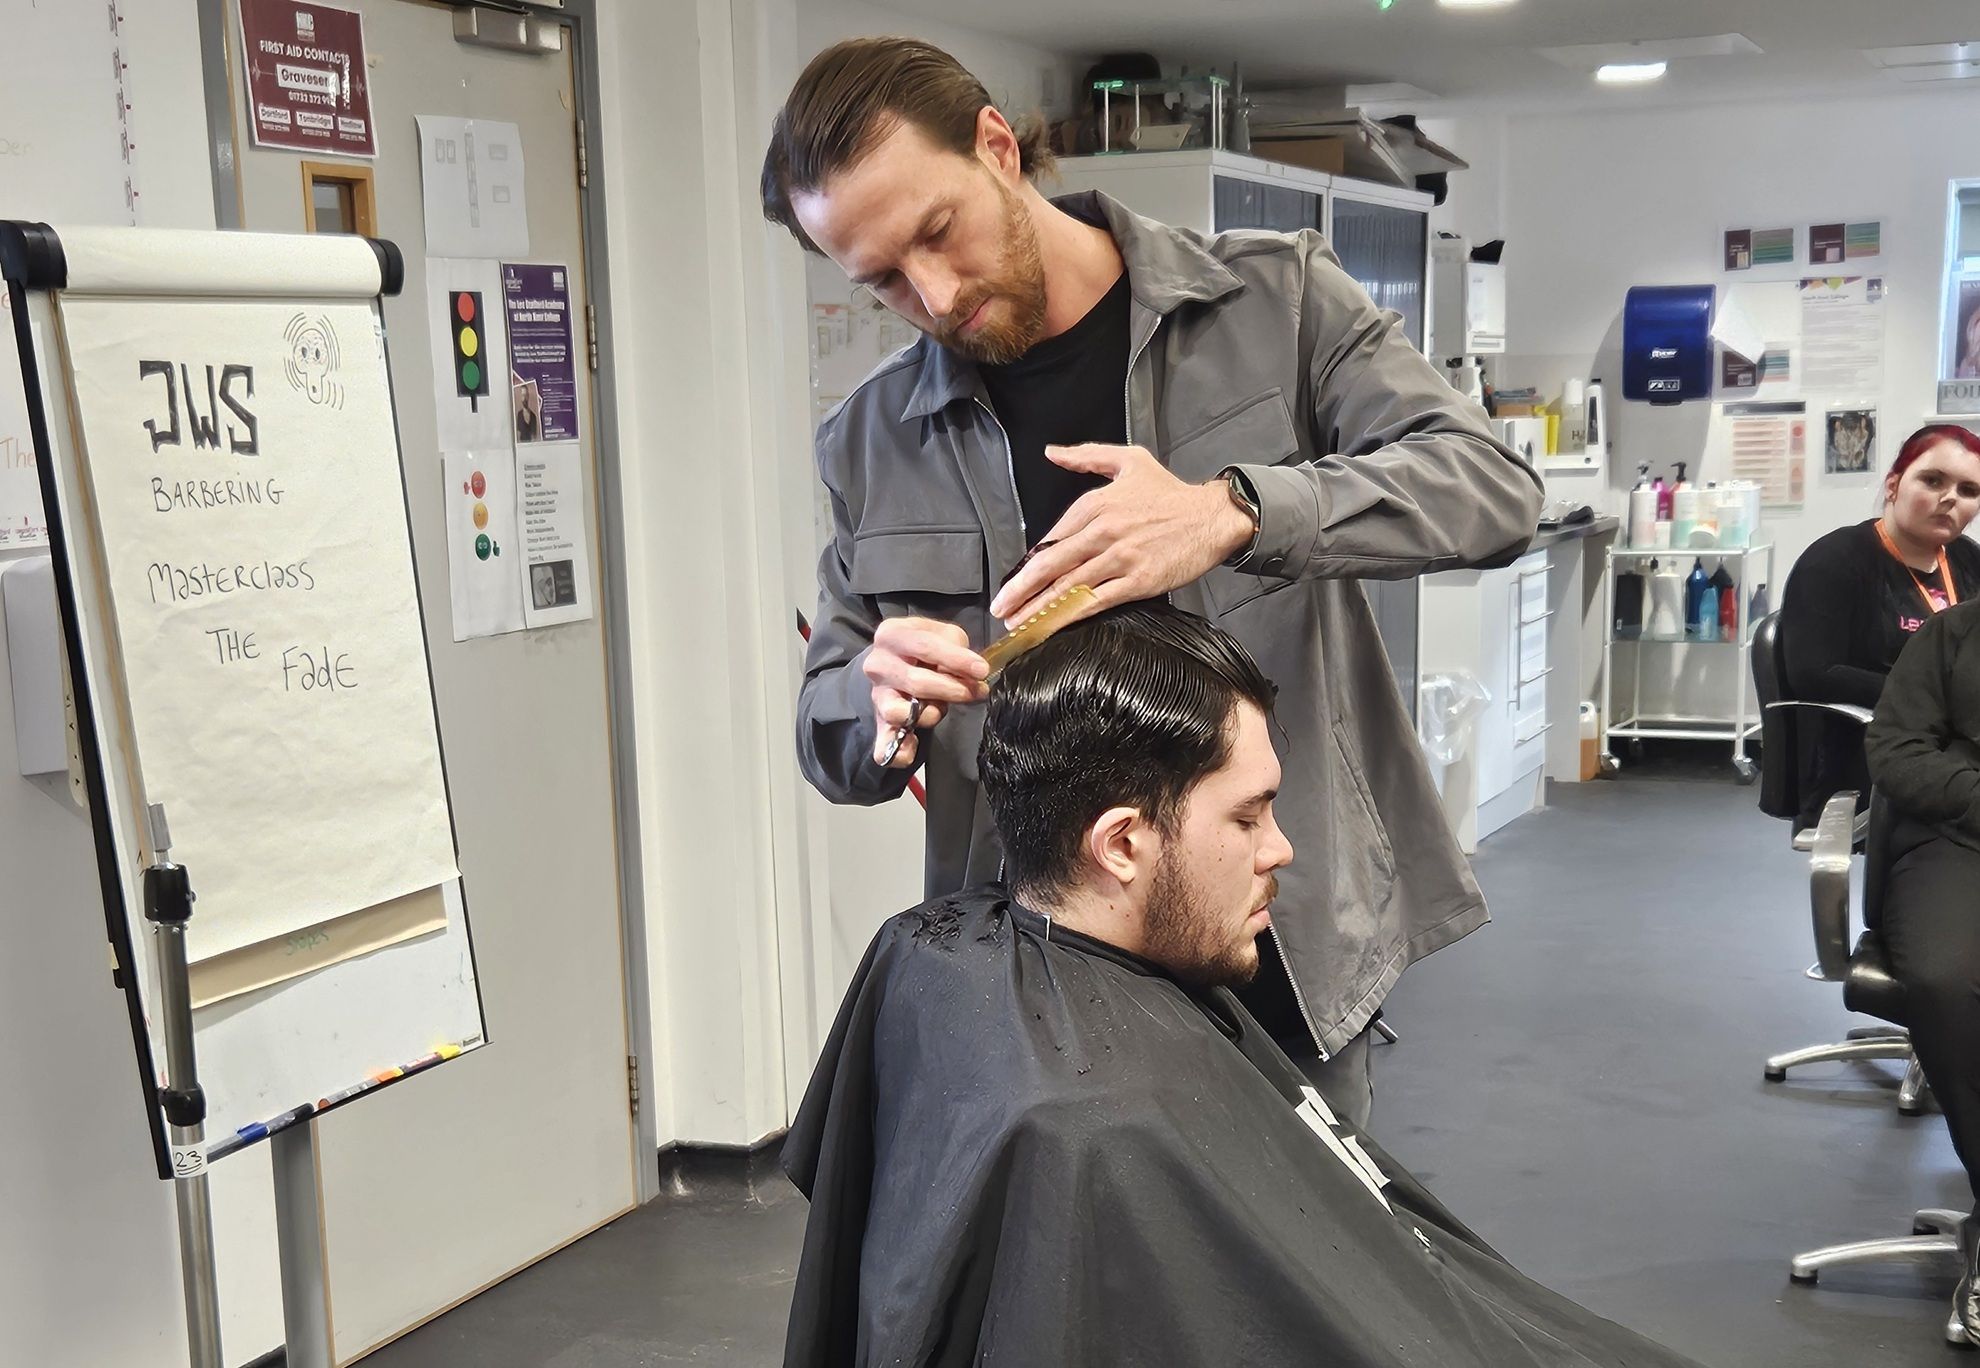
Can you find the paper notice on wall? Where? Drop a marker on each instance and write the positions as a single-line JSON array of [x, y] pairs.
[[1842, 335], [484, 557], [21, 522], [543, 388], [1735, 328], [243, 468], [471, 184], [469, 344], [557, 547], [1766, 314], [1850, 442], [1766, 443]]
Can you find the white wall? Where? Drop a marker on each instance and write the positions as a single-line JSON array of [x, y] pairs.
[[88, 1255], [1593, 203], [1598, 203]]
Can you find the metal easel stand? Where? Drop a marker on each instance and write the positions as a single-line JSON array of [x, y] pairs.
[[168, 900]]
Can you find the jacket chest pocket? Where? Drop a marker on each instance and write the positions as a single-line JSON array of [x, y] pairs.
[[934, 572], [1258, 431]]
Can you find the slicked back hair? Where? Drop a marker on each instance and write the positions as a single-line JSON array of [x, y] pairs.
[[853, 94], [1132, 708]]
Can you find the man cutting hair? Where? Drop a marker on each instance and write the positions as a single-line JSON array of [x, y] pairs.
[[1044, 1131], [1229, 421]]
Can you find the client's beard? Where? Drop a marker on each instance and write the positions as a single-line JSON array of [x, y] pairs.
[[1020, 282], [1185, 937]]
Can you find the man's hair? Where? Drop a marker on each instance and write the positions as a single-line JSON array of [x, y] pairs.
[[1131, 708], [853, 94]]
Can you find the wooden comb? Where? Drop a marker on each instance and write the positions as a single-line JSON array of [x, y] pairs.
[[1035, 629]]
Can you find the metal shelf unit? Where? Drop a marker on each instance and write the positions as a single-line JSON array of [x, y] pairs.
[[1743, 724]]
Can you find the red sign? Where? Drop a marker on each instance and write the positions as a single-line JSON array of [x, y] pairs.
[[307, 87]]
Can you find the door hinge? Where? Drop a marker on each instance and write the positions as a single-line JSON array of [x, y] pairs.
[[591, 333], [632, 1083], [583, 158]]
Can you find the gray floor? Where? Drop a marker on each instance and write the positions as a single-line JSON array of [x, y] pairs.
[[1580, 1081]]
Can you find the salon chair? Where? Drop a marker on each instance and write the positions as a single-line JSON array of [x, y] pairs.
[[1781, 718], [1867, 987]]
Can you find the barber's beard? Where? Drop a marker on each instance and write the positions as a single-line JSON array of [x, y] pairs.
[[1019, 287], [1189, 938]]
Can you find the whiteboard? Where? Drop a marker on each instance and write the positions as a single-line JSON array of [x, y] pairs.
[[357, 1024]]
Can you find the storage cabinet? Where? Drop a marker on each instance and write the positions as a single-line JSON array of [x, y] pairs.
[[1380, 233], [1494, 626]]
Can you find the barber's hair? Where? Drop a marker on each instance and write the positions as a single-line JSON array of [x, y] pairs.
[[853, 94], [1131, 708], [1923, 440]]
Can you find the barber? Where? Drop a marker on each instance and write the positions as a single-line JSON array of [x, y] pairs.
[[1229, 421], [1856, 596]]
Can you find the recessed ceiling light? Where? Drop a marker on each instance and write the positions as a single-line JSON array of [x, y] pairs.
[[1629, 73], [1472, 4]]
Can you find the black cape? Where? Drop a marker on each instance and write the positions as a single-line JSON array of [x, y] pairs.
[[1025, 1147]]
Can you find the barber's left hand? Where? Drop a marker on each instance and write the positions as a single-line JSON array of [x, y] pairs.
[[1140, 535]]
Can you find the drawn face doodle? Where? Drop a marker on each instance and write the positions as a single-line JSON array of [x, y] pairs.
[[311, 362], [311, 355]]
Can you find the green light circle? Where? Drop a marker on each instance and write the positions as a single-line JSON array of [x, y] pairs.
[[471, 375]]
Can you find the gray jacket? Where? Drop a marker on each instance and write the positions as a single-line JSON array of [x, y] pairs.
[[1250, 349]]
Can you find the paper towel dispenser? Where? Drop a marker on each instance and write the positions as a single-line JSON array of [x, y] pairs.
[[1667, 343]]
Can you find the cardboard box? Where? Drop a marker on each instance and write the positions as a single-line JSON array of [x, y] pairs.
[[1314, 154]]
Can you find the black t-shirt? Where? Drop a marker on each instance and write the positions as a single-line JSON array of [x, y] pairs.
[[1066, 390], [1849, 609]]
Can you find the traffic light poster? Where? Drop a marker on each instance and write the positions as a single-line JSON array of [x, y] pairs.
[[470, 348]]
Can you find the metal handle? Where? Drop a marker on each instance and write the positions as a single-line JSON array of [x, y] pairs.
[[1528, 622], [1524, 680], [1543, 729]]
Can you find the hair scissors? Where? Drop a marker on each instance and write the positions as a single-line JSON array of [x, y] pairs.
[[915, 706]]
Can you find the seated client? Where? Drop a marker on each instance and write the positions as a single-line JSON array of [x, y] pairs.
[[1044, 1131], [1924, 752]]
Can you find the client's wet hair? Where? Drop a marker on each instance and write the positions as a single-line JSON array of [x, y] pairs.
[[1131, 708]]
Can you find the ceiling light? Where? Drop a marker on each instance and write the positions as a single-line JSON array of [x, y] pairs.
[[1588, 56], [1472, 4], [1630, 73]]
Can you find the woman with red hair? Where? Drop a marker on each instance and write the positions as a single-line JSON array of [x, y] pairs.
[[1856, 596]]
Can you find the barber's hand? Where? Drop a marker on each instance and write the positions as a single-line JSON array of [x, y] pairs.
[[919, 658], [1139, 536]]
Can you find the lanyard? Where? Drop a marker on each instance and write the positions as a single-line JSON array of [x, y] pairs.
[[1945, 572]]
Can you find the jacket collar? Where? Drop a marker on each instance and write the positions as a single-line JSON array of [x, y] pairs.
[[1165, 267]]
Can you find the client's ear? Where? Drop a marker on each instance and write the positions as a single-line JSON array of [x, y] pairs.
[[1122, 846]]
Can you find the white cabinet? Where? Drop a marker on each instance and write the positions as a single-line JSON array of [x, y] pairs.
[[1493, 625]]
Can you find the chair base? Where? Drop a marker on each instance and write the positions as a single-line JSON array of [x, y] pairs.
[[1934, 1239], [1869, 1042]]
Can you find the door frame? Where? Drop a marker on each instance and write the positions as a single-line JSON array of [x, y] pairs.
[[578, 18]]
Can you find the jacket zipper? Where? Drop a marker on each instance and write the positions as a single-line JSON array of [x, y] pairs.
[[1292, 979], [1010, 469]]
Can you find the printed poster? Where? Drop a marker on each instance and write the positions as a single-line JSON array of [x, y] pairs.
[[1850, 447], [558, 549], [471, 186], [308, 89], [1842, 335], [484, 560], [1966, 342], [469, 340], [1746, 248], [543, 385], [1766, 443]]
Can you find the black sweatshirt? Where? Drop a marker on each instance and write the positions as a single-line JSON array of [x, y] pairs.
[[1849, 609], [1924, 747]]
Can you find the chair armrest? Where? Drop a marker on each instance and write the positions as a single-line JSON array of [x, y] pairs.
[[1860, 716], [1828, 884]]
